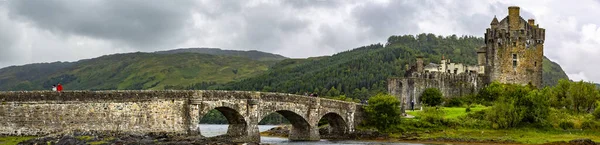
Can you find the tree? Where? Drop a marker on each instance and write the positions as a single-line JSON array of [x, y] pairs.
[[431, 97], [383, 112], [583, 95], [490, 93], [558, 96], [596, 112]]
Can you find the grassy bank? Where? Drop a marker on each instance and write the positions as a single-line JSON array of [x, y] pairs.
[[13, 140], [525, 135], [521, 135]]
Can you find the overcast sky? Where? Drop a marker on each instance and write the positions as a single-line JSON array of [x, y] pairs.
[[34, 31]]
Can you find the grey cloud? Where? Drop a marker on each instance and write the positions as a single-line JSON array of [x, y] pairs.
[[397, 16], [313, 3], [134, 23], [8, 38]]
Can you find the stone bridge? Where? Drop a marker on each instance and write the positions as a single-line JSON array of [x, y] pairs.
[[173, 112]]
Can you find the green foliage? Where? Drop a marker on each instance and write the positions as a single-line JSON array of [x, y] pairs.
[[213, 117], [592, 125], [433, 115], [558, 96], [504, 114], [552, 73], [488, 94], [596, 112], [134, 71], [567, 125], [431, 97], [383, 112], [575, 96], [583, 96], [519, 105], [455, 101], [274, 118], [344, 98]]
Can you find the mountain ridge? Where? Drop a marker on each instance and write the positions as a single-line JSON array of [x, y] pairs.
[[357, 72]]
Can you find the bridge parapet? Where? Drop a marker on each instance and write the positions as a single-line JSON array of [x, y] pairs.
[[171, 111]]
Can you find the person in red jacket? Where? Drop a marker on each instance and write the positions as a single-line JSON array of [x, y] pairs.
[[59, 87]]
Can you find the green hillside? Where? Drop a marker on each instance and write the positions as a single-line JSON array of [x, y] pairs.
[[357, 73], [363, 71], [252, 54], [133, 71]]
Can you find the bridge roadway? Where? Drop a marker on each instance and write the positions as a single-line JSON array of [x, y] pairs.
[[173, 112]]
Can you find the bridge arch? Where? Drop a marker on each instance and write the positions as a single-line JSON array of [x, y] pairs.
[[301, 127], [337, 124], [236, 121]]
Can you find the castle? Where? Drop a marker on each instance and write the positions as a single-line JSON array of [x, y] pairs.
[[513, 53]]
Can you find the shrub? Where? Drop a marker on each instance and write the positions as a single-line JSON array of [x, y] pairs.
[[588, 124], [505, 115], [596, 112], [433, 115], [566, 125], [490, 93], [454, 102], [431, 97], [477, 115], [383, 112], [468, 109]]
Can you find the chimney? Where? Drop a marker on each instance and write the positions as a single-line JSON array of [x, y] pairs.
[[514, 18], [531, 22]]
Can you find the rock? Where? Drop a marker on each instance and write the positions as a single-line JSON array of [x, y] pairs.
[[582, 142], [69, 140]]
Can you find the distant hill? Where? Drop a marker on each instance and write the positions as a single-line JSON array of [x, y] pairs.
[[364, 71], [552, 72], [176, 69], [252, 54], [356, 73]]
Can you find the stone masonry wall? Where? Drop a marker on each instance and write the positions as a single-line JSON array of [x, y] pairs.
[[49, 112], [451, 85], [173, 112]]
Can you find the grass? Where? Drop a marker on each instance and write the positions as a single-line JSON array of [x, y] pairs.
[[526, 135], [452, 112], [521, 135], [13, 140]]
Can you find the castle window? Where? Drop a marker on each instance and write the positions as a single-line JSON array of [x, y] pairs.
[[535, 64], [514, 60]]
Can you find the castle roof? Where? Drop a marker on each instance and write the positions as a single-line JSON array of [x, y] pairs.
[[494, 21], [432, 65], [481, 50]]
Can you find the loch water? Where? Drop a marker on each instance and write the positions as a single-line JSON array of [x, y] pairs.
[[219, 129]]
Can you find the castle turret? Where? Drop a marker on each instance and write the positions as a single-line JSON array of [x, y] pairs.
[[419, 64], [494, 23], [481, 60]]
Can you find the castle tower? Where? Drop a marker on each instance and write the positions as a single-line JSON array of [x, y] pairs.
[[514, 50], [419, 64]]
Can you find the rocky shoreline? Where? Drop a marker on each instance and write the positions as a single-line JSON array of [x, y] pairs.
[[98, 138], [371, 135]]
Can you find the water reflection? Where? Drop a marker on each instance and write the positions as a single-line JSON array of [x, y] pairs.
[[210, 130]]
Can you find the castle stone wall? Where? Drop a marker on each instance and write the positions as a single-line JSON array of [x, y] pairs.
[[451, 85]]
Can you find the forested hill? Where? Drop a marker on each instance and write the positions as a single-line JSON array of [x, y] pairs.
[[252, 54], [177, 69], [362, 72]]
